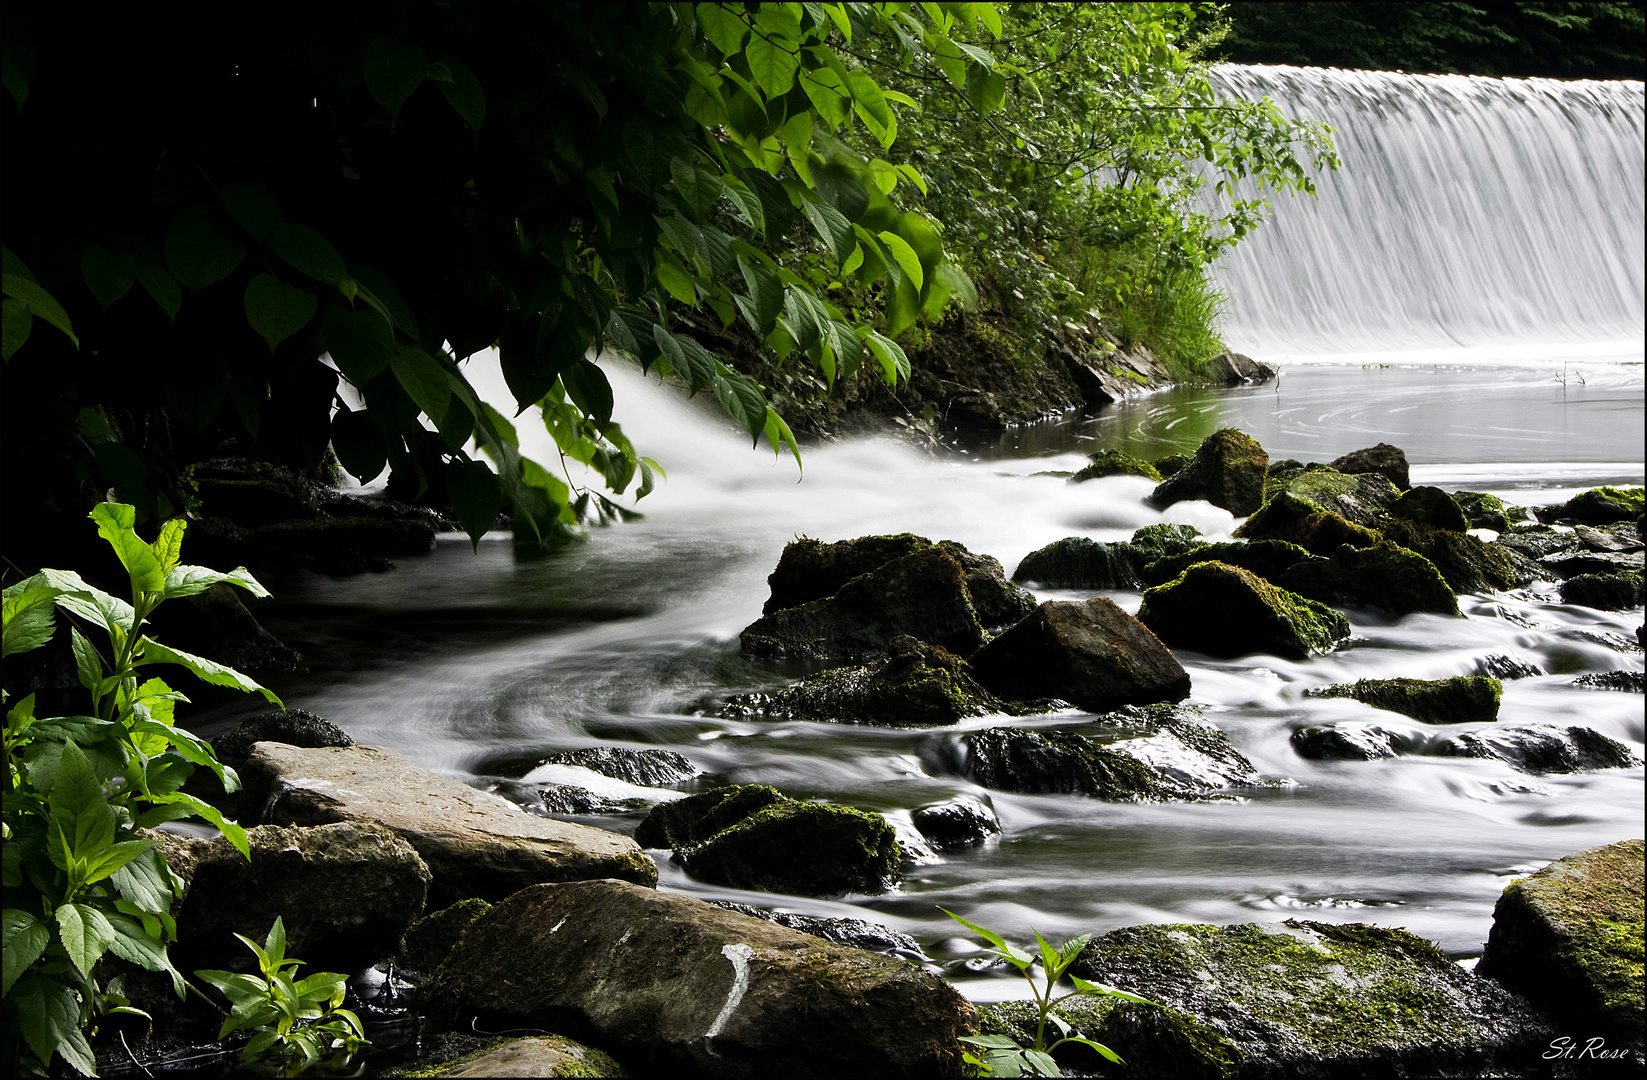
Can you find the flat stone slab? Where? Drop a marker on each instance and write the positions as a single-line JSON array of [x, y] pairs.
[[475, 843]]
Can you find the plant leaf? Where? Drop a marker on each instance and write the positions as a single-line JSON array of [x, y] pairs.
[[22, 941], [277, 310]]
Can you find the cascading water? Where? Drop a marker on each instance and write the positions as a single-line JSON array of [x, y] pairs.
[[1469, 211], [477, 665]]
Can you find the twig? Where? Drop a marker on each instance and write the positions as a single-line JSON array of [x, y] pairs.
[[133, 1056]]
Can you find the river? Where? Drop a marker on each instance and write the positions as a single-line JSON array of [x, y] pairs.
[[476, 664]]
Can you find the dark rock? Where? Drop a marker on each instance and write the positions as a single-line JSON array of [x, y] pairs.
[[1538, 541], [1500, 666], [673, 985], [1227, 470], [1352, 742], [429, 941], [851, 933], [347, 892], [1090, 653], [924, 594], [1076, 562], [1388, 461], [316, 537], [688, 822], [1608, 592], [1566, 564], [1483, 511], [1173, 754], [294, 727], [1629, 681], [475, 843], [1115, 463], [547, 1055], [1459, 700], [1154, 1041], [1619, 539], [1468, 564], [1598, 506], [1233, 369], [1570, 938], [571, 800], [643, 768], [1269, 559], [998, 602], [1323, 1000], [1162, 541], [1384, 576], [1430, 506], [1171, 464], [1226, 611], [216, 623], [253, 494], [1295, 521], [1361, 498], [1540, 749], [919, 685], [957, 823]]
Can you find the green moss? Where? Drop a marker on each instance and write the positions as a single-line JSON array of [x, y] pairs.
[[1281, 511], [810, 569], [1607, 592], [1385, 576], [1224, 610], [1601, 506], [694, 819], [1160, 541], [431, 939], [1461, 699], [1468, 564], [813, 849], [1430, 506], [1171, 463], [1483, 511], [1269, 559], [1152, 1039], [1076, 562], [1115, 463]]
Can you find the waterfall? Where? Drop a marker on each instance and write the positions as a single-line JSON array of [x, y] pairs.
[[1468, 211]]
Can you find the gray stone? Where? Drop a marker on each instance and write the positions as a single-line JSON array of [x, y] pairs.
[[1540, 749], [1386, 460], [852, 933]]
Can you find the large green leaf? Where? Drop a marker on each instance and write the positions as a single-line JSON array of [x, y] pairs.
[[772, 63], [393, 70], [50, 1015], [22, 941], [132, 943], [108, 276], [189, 580], [199, 251], [252, 206], [361, 343], [464, 93], [85, 933], [116, 524], [168, 546], [28, 619], [308, 252], [15, 325], [742, 400], [203, 669], [586, 384], [359, 444], [277, 310], [39, 302], [81, 599], [87, 664], [699, 185], [476, 497], [424, 380], [146, 881], [162, 287], [832, 226], [904, 255], [724, 28]]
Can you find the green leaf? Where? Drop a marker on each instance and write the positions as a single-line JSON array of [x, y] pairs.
[[689, 359], [699, 185], [359, 445], [375, 286], [586, 384], [88, 665], [22, 941], [203, 669], [905, 257], [722, 26], [109, 277], [199, 251], [1106, 1052], [476, 497], [394, 69], [146, 882], [189, 580], [114, 859], [990, 1042], [677, 283], [464, 94], [277, 310], [773, 65], [115, 523], [252, 206], [308, 252], [747, 202], [15, 325], [163, 289], [1042, 1063], [133, 943], [828, 95], [832, 226], [79, 598], [766, 294], [1087, 987], [742, 400], [39, 302], [168, 546], [361, 343], [424, 380], [85, 933], [985, 88], [28, 619], [50, 1015]]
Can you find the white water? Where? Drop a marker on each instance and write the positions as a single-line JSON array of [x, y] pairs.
[[463, 661]]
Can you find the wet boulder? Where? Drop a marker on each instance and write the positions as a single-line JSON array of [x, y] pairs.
[[998, 602], [218, 623], [1607, 592], [676, 986], [643, 768], [1353, 742], [1468, 564], [429, 941], [294, 727], [1484, 511], [1503, 667], [957, 823], [1115, 463], [1460, 700], [1569, 937], [1618, 539], [474, 842], [1226, 611], [1233, 369], [1628, 681], [1076, 562], [1361, 498], [1227, 470], [346, 893], [1090, 653], [1430, 506], [1388, 461], [1305, 998], [1293, 520], [1385, 576], [542, 1055], [1269, 559], [850, 933], [924, 595], [1171, 464], [1598, 506], [1584, 560], [1153, 1040], [750, 836], [1537, 541], [1162, 541], [1540, 749]]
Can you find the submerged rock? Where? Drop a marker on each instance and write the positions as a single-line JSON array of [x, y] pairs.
[[1540, 749], [294, 727], [1458, 700], [1570, 938], [1385, 576], [1227, 470], [1076, 562], [1353, 742], [1226, 611], [1388, 461], [1317, 999], [1115, 463], [1500, 666], [643, 768], [1430, 506], [851, 933], [957, 823], [1608, 592], [675, 986], [1090, 653], [1630, 681]]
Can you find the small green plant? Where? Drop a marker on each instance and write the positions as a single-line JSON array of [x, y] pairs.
[[276, 1008], [1003, 1056]]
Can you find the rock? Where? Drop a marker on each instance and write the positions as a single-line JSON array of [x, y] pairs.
[[673, 985], [1154, 1041], [1388, 461], [643, 768], [1385, 576], [253, 493], [919, 685], [1289, 519], [1569, 937], [370, 536], [1629, 681], [957, 823], [568, 799], [1269, 559], [346, 892], [1619, 539], [1353, 742], [551, 1055], [1226, 611], [1430, 506], [1540, 749], [1608, 592], [1571, 563], [1460, 700], [998, 602], [924, 594], [1233, 369], [1171, 464], [1162, 541], [750, 836], [1538, 541], [1227, 470], [851, 933], [475, 843], [1115, 463], [1173, 754], [1361, 498], [1598, 506], [1501, 667], [429, 941], [1483, 511], [217, 623], [1317, 999], [1076, 562], [294, 727], [1090, 653], [1468, 564]]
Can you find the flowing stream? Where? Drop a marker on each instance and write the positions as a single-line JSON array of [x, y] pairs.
[[477, 664]]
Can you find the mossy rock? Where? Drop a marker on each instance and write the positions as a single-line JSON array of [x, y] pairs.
[[814, 849], [1569, 937], [431, 939], [1281, 511], [1075, 562], [1115, 463], [1227, 470], [1363, 498], [1430, 506], [1224, 610], [1162, 541], [1483, 511], [1598, 506], [1468, 564], [1458, 700], [1152, 1039], [1607, 592], [1385, 576], [549, 1056], [1384, 459], [1269, 559], [811, 569], [1171, 464], [685, 822]]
